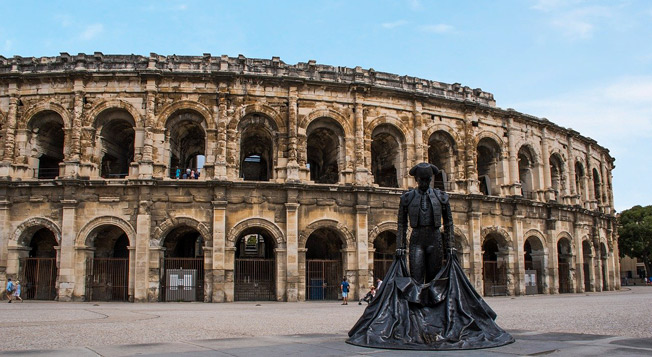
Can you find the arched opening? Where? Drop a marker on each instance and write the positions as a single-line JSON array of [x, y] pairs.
[[604, 256], [256, 149], [596, 185], [183, 265], [526, 172], [108, 270], [441, 153], [325, 140], [187, 139], [579, 179], [255, 266], [494, 265], [557, 178], [38, 271], [46, 137], [386, 156], [488, 156], [534, 266], [564, 258], [116, 133], [323, 265], [385, 248], [588, 260]]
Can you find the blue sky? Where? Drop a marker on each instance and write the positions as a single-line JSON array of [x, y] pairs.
[[585, 65]]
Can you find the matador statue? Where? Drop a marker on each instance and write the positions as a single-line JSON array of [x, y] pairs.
[[425, 207]]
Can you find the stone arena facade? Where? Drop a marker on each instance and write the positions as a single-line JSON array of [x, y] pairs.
[[300, 172]]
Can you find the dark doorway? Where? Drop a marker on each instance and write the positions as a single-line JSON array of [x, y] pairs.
[[107, 273], [255, 267], [323, 265], [39, 270], [385, 245], [494, 270], [183, 266]]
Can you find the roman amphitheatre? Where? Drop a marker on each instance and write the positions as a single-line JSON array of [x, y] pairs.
[[297, 171]]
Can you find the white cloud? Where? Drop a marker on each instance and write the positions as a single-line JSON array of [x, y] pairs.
[[395, 24], [414, 4], [438, 28], [613, 114], [182, 7], [581, 23], [91, 31], [6, 47]]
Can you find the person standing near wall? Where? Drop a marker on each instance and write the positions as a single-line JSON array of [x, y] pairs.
[[10, 289], [344, 288]]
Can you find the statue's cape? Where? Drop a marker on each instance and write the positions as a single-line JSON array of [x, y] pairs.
[[443, 314]]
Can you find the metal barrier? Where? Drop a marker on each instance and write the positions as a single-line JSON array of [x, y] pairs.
[[46, 173], [255, 280], [38, 278], [323, 279], [169, 289], [107, 279]]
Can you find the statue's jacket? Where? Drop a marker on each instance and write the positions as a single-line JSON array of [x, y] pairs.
[[410, 207]]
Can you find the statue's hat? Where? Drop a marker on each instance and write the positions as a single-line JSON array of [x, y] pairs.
[[424, 169]]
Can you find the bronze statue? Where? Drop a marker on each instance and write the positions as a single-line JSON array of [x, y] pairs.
[[425, 208], [435, 307]]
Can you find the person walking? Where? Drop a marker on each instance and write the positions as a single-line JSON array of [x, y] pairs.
[[344, 288], [17, 291], [10, 289]]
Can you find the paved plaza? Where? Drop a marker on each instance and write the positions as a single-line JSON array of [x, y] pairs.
[[614, 323]]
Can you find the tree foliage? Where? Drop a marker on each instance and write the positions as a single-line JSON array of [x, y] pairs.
[[635, 234]]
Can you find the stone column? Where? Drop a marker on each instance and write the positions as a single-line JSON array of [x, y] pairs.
[[514, 184], [362, 176], [518, 244], [222, 121], [292, 288], [474, 217], [155, 273], [132, 271], [67, 252], [292, 167], [6, 233], [83, 255], [545, 156], [218, 251], [146, 169], [73, 162], [605, 205], [10, 131], [419, 154], [365, 280], [470, 153], [573, 190], [554, 260], [146, 287]]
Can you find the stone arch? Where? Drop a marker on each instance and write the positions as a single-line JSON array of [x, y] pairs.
[[83, 237], [537, 233], [169, 111], [30, 226], [565, 234], [166, 227], [532, 151], [490, 135], [343, 231], [44, 107], [497, 231], [92, 115], [464, 243], [240, 227], [257, 108], [441, 127], [327, 113], [380, 228], [392, 121]]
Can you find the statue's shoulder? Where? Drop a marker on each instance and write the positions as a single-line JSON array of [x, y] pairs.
[[407, 196], [441, 195]]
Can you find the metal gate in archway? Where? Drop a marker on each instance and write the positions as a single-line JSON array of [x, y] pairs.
[[323, 277], [495, 278], [382, 261], [38, 278], [255, 279], [107, 279], [172, 289], [564, 278]]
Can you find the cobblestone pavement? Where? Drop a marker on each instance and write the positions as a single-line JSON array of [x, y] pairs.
[[571, 324]]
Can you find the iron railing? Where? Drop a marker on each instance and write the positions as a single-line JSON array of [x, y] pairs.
[[184, 263], [107, 279], [255, 280], [38, 278], [323, 279]]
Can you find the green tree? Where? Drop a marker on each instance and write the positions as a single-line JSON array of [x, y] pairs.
[[635, 234]]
